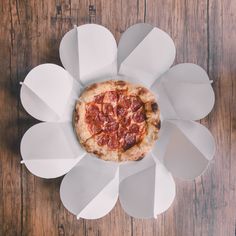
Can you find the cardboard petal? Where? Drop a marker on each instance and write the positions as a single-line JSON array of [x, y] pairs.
[[33, 104], [147, 193], [70, 106], [90, 189], [46, 91], [185, 148], [185, 92], [50, 150], [130, 39], [151, 54], [132, 167], [165, 189], [69, 53], [89, 52]]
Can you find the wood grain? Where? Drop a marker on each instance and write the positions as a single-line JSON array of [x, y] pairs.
[[204, 32]]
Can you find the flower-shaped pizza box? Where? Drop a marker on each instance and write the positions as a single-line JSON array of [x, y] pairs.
[[91, 186]]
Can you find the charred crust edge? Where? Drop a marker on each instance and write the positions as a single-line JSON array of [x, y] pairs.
[[120, 83], [142, 90], [158, 124], [154, 106], [91, 87], [140, 157]]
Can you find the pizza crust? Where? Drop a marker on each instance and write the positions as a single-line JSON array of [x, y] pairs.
[[101, 151], [79, 124], [96, 89], [135, 153], [142, 92]]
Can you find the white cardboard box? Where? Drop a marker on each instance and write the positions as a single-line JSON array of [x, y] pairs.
[[91, 186]]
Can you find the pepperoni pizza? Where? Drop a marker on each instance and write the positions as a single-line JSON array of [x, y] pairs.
[[117, 120]]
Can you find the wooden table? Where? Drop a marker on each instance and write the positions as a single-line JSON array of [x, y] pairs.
[[204, 32]]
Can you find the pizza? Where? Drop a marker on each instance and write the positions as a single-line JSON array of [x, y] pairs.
[[116, 120]]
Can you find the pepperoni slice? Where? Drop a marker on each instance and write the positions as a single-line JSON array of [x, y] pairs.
[[102, 117], [130, 141], [97, 118], [111, 118], [121, 132], [121, 111], [125, 101], [102, 139], [99, 98], [111, 126], [108, 108], [139, 116], [92, 109], [134, 128], [93, 119], [105, 117], [113, 142], [88, 118], [125, 121], [121, 93], [110, 96], [136, 104], [95, 128]]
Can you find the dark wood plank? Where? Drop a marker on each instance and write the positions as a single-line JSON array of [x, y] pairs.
[[37, 30], [222, 68], [10, 171]]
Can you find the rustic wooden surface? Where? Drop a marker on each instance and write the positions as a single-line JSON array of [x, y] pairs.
[[204, 32]]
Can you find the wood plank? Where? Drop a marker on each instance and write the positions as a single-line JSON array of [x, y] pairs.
[[222, 57], [10, 170]]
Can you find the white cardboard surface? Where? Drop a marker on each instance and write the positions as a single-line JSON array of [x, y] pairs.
[[50, 150], [133, 167], [90, 189], [164, 191], [130, 39], [35, 106], [50, 87], [146, 193], [185, 148], [69, 53], [97, 52], [70, 106], [150, 59], [89, 52], [184, 92]]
